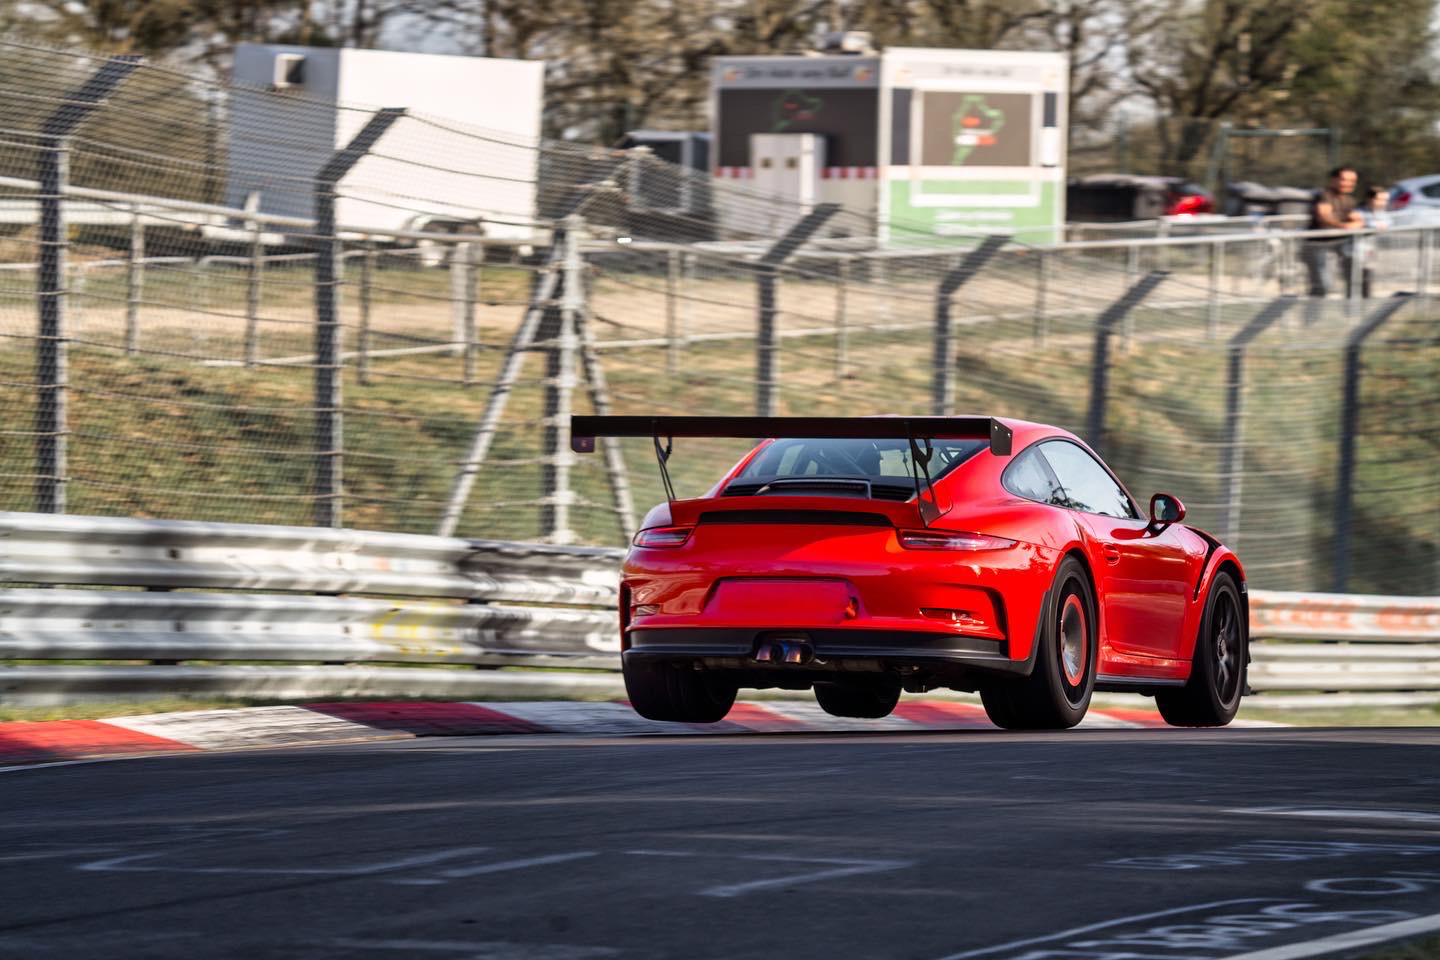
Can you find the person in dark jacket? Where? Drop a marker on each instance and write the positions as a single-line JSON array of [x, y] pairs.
[[1332, 209]]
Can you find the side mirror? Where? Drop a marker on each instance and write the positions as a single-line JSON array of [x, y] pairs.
[[1165, 510]]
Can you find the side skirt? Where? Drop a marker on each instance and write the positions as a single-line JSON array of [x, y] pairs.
[[1146, 685]]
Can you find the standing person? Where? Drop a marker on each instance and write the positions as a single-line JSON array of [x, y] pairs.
[[1332, 209], [1376, 216]]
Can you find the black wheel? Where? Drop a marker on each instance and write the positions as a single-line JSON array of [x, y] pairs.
[[663, 691], [1057, 693], [870, 700], [1212, 695]]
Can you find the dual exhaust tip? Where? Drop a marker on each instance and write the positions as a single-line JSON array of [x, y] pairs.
[[796, 650]]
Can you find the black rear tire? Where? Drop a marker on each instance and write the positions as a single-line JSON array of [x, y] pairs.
[[1211, 697], [869, 701], [663, 691], [1057, 693]]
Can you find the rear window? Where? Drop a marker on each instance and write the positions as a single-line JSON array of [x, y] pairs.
[[882, 460]]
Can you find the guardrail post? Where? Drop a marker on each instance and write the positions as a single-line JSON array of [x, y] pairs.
[[767, 279], [51, 420], [1231, 454], [362, 336], [1349, 424], [329, 270], [1100, 364], [134, 282], [559, 330], [254, 280], [942, 385]]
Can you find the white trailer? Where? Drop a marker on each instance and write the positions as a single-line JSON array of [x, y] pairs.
[[467, 151]]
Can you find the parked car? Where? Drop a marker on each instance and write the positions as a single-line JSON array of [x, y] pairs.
[[863, 556], [1245, 198], [1119, 197], [1416, 201]]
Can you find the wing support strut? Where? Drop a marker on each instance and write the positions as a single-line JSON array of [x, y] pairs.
[[920, 466], [662, 457]]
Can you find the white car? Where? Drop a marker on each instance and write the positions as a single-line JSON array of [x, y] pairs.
[[1416, 201]]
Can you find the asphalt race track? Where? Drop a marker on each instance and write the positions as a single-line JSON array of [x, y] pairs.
[[1088, 845]]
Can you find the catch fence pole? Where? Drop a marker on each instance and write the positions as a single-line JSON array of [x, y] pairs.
[[673, 272], [942, 384], [134, 282], [51, 355], [559, 333], [1349, 427], [1423, 260], [842, 320], [329, 444], [254, 289], [1042, 294], [1232, 455], [1217, 279], [470, 265], [767, 279], [1100, 363], [367, 291]]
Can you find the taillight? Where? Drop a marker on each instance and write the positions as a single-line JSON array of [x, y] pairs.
[[951, 540], [1399, 201], [662, 537]]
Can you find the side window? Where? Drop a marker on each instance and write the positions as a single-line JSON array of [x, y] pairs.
[[1084, 484], [1029, 477]]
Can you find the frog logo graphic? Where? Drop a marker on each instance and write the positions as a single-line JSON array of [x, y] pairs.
[[795, 106], [974, 124]]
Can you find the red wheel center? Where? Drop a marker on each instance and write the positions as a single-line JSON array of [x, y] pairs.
[[1074, 641]]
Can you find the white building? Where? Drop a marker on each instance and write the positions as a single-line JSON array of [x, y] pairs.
[[925, 143], [466, 150]]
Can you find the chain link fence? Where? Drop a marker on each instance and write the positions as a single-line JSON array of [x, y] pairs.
[[174, 345]]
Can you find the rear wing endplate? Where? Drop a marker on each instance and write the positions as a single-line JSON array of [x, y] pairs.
[[584, 430]]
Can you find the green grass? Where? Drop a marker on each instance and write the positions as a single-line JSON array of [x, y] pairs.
[[1345, 717], [1427, 949], [161, 435]]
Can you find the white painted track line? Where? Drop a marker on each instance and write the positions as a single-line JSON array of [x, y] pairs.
[[1350, 940]]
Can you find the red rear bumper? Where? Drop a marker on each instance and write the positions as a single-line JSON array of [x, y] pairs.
[[854, 592]]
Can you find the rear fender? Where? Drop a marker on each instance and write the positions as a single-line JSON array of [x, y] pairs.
[[1219, 557]]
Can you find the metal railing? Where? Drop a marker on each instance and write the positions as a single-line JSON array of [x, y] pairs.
[[284, 612]]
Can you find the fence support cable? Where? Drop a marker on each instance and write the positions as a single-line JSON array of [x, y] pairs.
[[329, 271]]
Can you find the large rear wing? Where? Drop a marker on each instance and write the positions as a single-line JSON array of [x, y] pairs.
[[584, 430]]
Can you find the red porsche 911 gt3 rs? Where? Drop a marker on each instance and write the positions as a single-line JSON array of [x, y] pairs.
[[863, 556]]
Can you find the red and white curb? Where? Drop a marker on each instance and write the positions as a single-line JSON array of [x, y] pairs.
[[320, 723]]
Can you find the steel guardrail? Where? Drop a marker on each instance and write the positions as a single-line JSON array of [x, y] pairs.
[[335, 610]]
